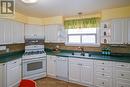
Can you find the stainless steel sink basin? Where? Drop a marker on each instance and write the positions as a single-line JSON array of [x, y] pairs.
[[81, 54]]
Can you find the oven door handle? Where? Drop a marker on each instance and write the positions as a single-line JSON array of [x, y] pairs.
[[36, 59]]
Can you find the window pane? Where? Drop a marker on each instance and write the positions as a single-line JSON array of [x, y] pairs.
[[82, 31], [91, 39], [74, 39]]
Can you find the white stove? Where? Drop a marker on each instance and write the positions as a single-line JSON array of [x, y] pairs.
[[34, 62], [34, 51]]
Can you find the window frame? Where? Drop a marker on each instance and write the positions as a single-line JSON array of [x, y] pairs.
[[97, 39]]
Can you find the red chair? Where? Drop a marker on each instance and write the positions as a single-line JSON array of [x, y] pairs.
[[27, 83]]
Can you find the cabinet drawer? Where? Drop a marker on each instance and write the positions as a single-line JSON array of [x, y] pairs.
[[123, 74], [123, 83], [74, 60], [100, 82], [103, 63], [103, 75], [103, 69], [86, 62], [124, 66], [13, 63]]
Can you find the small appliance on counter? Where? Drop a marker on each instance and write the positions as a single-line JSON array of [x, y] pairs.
[[34, 59]]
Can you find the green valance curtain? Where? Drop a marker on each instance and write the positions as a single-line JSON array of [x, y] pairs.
[[82, 23]]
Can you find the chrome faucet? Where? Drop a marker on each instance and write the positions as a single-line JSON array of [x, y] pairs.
[[82, 51]]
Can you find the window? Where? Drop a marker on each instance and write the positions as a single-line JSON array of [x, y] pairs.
[[82, 36]]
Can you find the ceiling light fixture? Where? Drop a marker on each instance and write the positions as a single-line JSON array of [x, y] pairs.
[[29, 1]]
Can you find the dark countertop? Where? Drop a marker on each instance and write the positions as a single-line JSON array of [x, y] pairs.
[[10, 56], [96, 56]]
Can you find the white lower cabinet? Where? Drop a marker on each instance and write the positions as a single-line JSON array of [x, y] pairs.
[[103, 73], [62, 68], [74, 71], [51, 65], [2, 75], [89, 72], [102, 82], [10, 73], [81, 70], [121, 74], [13, 73]]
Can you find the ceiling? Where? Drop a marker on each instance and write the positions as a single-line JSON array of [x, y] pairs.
[[49, 8]]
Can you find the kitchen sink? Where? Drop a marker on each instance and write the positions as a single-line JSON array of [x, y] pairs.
[[86, 54]]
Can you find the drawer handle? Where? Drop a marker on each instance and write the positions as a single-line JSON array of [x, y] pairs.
[[122, 74], [122, 65], [103, 63], [14, 62], [102, 68], [80, 64], [103, 83], [122, 86], [103, 74]]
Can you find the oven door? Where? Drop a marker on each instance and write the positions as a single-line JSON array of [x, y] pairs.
[[34, 66]]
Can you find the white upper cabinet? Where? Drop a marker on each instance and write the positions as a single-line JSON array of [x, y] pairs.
[[2, 31], [54, 33], [118, 31], [8, 31], [34, 30], [11, 32], [18, 32], [128, 24]]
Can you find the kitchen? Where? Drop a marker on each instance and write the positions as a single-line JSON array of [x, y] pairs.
[[57, 44]]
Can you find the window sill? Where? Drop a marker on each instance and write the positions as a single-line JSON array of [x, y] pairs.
[[75, 44]]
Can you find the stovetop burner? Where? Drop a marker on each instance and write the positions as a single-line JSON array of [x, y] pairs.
[[34, 52]]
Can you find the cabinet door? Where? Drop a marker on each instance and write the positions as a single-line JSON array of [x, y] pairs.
[[1, 31], [74, 72], [87, 74], [13, 76], [18, 32], [34, 30], [8, 31], [51, 33], [51, 65], [2, 74], [117, 31], [54, 33], [62, 67], [128, 24]]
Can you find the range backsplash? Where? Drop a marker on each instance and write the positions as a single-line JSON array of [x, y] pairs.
[[117, 49], [114, 49], [14, 47]]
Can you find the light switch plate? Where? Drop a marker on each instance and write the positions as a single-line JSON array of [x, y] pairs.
[[2, 48]]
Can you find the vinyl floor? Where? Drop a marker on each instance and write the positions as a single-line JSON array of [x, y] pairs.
[[51, 82]]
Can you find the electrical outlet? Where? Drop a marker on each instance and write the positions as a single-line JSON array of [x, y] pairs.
[[2, 48], [7, 49]]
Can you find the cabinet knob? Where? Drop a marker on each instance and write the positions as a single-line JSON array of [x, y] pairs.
[[102, 68], [103, 83], [103, 74], [102, 63], [122, 74], [80, 64], [122, 65]]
